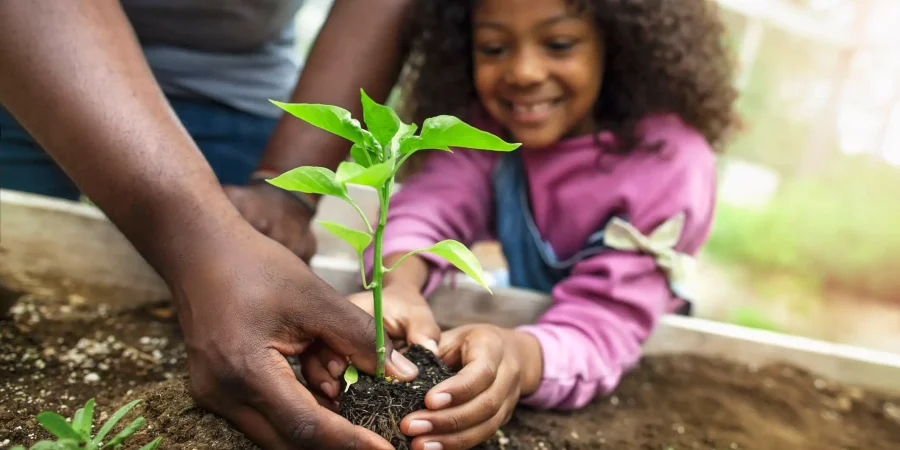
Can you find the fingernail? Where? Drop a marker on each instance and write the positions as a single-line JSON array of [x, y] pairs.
[[335, 369], [328, 389], [441, 400], [430, 345], [417, 427], [433, 446], [404, 366]]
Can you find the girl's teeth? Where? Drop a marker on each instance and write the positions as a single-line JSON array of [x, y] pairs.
[[537, 107]]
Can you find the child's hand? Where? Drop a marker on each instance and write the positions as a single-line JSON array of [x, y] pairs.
[[498, 366], [406, 316]]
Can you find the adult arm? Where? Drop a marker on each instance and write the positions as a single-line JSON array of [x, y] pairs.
[[73, 75], [360, 46]]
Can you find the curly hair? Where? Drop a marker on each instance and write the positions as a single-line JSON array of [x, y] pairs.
[[663, 56]]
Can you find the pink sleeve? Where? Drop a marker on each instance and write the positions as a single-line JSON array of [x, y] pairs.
[[607, 307], [450, 198]]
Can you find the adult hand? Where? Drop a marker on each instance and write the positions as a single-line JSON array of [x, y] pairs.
[[274, 213], [498, 366], [242, 312], [406, 316]]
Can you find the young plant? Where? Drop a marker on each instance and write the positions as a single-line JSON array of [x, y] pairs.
[[77, 434], [378, 151]]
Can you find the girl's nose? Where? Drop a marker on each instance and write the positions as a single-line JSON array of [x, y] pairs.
[[527, 68]]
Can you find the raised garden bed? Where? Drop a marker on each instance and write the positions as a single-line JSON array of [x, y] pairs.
[[88, 319]]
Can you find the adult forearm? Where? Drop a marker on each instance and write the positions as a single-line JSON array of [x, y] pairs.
[[74, 77], [359, 46]]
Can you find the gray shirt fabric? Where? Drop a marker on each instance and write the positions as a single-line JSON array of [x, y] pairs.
[[237, 52]]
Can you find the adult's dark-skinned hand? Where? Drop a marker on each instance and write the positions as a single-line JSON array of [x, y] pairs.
[[86, 95], [256, 303], [274, 213]]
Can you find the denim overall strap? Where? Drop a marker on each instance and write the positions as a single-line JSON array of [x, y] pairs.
[[532, 262]]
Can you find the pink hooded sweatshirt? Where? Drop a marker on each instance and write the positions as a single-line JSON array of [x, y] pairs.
[[609, 303]]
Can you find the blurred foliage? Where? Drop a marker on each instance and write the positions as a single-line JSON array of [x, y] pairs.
[[779, 106], [839, 230]]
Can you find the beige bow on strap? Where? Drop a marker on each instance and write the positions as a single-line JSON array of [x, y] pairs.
[[678, 267]]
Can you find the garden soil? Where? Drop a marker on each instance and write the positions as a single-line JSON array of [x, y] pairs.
[[61, 344]]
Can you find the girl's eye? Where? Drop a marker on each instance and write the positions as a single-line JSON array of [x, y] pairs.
[[491, 50], [560, 46]]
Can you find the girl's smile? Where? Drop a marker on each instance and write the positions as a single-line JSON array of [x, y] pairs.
[[538, 67]]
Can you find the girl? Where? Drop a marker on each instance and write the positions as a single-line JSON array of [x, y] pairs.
[[618, 105]]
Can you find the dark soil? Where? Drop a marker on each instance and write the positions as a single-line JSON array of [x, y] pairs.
[[62, 344], [380, 405]]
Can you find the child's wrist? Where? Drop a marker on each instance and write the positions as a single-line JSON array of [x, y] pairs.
[[531, 357]]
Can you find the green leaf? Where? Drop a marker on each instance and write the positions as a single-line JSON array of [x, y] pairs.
[[459, 256], [56, 424], [374, 176], [358, 239], [19, 447], [311, 180], [152, 445], [125, 433], [362, 156], [116, 417], [70, 444], [48, 445], [330, 118], [380, 120], [443, 132], [81, 422], [351, 376]]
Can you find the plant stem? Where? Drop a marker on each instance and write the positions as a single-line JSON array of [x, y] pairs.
[[378, 278]]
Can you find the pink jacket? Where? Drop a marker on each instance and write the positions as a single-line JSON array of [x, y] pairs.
[[607, 307]]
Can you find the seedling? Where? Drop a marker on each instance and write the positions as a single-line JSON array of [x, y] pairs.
[[76, 435], [378, 151]]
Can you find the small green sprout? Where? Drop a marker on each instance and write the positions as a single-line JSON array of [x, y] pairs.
[[77, 434], [378, 151], [351, 376]]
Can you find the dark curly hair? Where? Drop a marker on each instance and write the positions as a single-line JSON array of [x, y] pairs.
[[663, 56]]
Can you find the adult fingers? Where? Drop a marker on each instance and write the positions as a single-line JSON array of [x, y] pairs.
[[257, 428], [297, 417], [323, 369], [317, 377]]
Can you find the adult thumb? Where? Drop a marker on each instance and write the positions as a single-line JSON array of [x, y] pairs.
[[350, 332]]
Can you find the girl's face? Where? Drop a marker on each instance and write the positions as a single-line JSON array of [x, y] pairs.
[[538, 67]]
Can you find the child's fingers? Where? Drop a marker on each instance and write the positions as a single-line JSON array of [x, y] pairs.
[[466, 415], [468, 437], [422, 329], [481, 356]]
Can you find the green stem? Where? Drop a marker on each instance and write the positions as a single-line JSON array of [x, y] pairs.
[[378, 278], [361, 214], [402, 258], [362, 272]]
